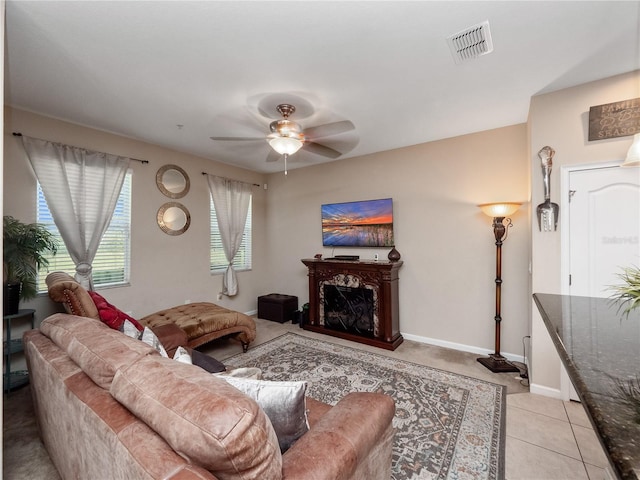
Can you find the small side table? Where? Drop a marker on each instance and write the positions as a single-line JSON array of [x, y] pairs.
[[12, 380]]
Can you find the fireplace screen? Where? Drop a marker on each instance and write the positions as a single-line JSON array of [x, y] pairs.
[[349, 309]]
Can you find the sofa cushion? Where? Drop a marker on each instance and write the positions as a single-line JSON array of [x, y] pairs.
[[283, 402], [203, 418], [98, 350], [111, 315], [171, 336]]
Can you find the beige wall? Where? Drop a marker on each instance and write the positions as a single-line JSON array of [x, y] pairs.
[[447, 289], [165, 270], [560, 120], [447, 281]]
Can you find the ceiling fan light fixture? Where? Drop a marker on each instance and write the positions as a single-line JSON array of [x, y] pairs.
[[284, 145]]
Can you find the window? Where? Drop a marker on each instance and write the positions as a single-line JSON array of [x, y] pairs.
[[242, 260], [111, 264]]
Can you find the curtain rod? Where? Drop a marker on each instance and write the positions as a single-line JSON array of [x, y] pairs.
[[18, 134], [254, 184]]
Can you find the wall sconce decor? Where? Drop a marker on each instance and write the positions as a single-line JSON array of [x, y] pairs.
[[498, 211], [548, 212]]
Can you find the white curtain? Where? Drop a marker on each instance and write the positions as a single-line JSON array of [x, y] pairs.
[[231, 200], [81, 188]]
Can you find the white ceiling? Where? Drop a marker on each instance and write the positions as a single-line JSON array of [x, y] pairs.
[[140, 68]]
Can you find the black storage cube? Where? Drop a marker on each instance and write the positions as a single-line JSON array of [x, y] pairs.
[[277, 307]]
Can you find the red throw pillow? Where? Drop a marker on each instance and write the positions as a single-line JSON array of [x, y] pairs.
[[110, 315]]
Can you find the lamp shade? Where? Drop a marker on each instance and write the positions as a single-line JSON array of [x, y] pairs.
[[499, 209], [633, 155], [284, 145]]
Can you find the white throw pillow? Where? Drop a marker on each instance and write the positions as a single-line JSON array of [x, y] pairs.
[[283, 402], [182, 355], [147, 336]]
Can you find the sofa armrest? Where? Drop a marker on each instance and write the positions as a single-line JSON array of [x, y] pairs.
[[64, 289], [343, 438]]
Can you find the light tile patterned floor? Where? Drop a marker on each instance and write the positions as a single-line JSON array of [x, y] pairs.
[[551, 439]]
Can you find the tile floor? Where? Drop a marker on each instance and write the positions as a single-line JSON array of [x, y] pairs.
[[551, 439], [547, 439]]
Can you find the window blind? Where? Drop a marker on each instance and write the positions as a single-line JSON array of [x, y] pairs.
[[218, 261]]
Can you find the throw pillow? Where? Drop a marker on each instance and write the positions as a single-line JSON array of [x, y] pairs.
[[182, 355], [171, 337], [110, 315], [147, 336], [283, 402], [206, 362]]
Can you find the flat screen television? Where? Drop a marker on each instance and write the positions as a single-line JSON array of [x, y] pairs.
[[368, 223]]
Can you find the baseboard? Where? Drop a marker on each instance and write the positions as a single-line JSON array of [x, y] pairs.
[[251, 313], [545, 391], [460, 346]]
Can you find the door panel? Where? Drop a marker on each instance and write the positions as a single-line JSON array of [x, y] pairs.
[[604, 227]]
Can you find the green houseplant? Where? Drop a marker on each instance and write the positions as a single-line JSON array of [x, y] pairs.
[[24, 249], [629, 292]]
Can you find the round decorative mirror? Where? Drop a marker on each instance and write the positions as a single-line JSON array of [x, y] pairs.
[[172, 181], [173, 218]]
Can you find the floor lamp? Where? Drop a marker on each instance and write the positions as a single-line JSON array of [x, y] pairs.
[[498, 211]]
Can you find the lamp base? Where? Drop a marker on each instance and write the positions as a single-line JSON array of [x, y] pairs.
[[497, 364]]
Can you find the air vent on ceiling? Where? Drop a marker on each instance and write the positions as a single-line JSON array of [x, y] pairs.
[[471, 42]]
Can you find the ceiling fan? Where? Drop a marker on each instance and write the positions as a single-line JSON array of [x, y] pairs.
[[287, 136]]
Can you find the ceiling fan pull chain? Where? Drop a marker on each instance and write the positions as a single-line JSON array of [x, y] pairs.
[[286, 155]]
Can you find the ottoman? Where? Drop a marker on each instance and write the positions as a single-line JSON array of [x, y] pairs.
[[277, 307]]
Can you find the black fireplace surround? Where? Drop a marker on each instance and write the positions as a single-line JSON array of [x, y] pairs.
[[349, 309]]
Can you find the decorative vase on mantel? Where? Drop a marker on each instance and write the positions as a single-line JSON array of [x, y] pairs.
[[394, 255]]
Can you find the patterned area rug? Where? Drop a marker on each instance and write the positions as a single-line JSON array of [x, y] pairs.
[[448, 426]]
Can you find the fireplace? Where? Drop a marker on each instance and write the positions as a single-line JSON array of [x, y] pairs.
[[348, 309], [355, 300]]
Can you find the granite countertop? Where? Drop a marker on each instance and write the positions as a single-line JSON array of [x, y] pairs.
[[598, 346]]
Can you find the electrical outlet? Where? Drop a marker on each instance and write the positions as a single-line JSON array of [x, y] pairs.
[[375, 257]]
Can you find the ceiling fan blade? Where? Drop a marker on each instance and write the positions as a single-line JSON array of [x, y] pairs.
[[319, 149], [236, 138], [329, 129], [273, 156]]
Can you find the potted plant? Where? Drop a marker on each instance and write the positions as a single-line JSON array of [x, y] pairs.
[[629, 292], [23, 255]]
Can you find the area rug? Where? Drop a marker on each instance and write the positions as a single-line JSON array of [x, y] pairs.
[[448, 426]]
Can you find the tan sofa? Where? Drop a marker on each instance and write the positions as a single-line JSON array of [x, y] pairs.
[[109, 406], [201, 322]]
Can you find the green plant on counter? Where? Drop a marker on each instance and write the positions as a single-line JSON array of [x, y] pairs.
[[630, 392], [629, 292]]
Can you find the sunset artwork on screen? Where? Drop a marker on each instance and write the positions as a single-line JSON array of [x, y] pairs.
[[368, 223]]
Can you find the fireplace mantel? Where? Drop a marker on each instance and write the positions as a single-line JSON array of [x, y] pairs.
[[381, 277]]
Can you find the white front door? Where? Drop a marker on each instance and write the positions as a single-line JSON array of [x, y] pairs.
[[603, 219], [604, 227]]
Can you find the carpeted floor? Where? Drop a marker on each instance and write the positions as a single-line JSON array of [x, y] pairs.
[[24, 456], [447, 425]]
